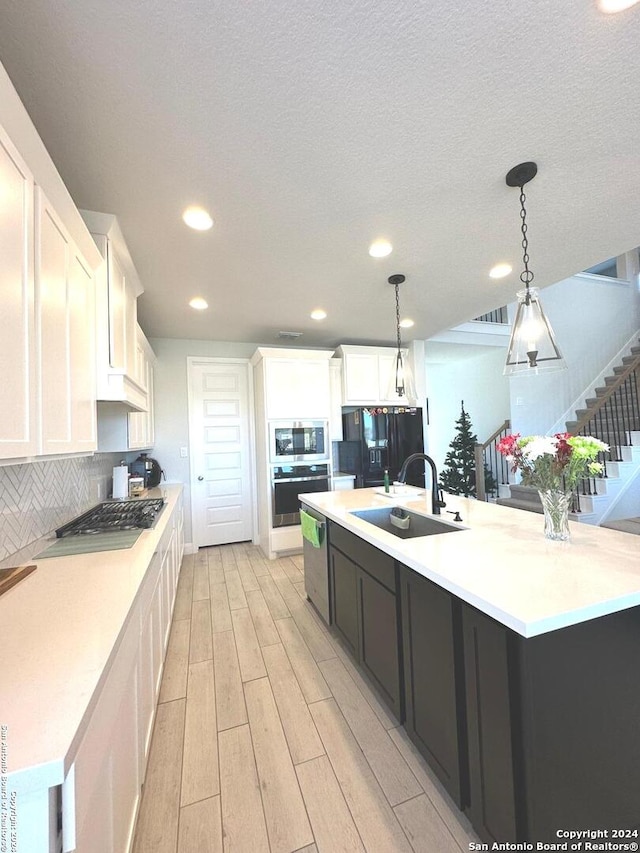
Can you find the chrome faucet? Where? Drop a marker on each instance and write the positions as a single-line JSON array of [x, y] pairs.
[[436, 494]]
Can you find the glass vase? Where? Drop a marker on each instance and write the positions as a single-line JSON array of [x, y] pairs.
[[555, 504]]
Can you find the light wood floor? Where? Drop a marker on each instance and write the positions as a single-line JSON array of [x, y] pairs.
[[266, 736]]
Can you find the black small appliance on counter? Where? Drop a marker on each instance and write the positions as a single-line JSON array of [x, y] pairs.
[[148, 468]]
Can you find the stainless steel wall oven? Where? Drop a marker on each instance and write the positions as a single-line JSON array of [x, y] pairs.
[[287, 482]]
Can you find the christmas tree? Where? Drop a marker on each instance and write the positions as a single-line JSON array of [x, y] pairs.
[[459, 474]]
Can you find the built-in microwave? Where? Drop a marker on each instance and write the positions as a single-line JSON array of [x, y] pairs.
[[298, 441]]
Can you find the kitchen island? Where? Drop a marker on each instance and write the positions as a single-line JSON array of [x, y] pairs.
[[511, 659], [82, 642]]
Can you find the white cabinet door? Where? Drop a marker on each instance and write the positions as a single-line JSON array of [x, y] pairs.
[[125, 778], [335, 387], [141, 426], [81, 352], [66, 341], [131, 323], [123, 316], [167, 576], [361, 378], [52, 312], [119, 430], [149, 659], [18, 433], [367, 375], [107, 780], [117, 302], [118, 287], [297, 388]]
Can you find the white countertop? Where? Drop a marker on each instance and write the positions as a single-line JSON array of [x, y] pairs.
[[502, 564], [58, 628]]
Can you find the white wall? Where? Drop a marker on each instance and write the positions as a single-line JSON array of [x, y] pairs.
[[592, 318], [479, 382], [172, 404], [628, 505]]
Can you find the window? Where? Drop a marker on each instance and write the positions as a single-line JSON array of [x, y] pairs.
[[608, 268]]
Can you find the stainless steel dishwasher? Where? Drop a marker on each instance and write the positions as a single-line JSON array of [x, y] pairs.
[[316, 566]]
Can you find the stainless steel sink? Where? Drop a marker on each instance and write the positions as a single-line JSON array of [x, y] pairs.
[[419, 525]]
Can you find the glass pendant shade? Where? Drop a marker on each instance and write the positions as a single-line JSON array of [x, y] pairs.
[[532, 346], [401, 385]]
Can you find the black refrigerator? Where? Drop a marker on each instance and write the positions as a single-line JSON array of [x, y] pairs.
[[378, 438]]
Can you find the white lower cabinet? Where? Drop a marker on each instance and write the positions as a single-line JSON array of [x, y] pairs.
[[102, 792], [342, 483], [106, 767], [149, 659]]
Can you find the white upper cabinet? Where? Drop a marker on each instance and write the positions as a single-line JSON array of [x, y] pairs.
[[141, 431], [367, 373], [47, 313], [119, 377], [296, 383], [297, 389], [119, 428], [335, 385], [65, 322], [18, 434]]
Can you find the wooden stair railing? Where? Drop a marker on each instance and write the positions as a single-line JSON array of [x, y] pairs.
[[487, 454], [618, 404], [611, 417]]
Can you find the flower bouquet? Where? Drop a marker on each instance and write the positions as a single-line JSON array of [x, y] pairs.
[[553, 464]]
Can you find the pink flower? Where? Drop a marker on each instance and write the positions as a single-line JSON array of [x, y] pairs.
[[507, 444]]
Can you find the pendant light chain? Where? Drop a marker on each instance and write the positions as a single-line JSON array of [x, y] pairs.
[[526, 276], [401, 382], [398, 317]]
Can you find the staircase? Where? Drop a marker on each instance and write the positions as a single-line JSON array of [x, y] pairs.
[[613, 416]]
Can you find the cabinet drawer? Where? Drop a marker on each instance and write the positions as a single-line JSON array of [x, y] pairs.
[[379, 565]]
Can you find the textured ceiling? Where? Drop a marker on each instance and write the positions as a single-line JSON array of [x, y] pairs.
[[310, 129]]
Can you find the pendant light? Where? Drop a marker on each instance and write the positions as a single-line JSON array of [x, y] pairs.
[[532, 345], [401, 381]]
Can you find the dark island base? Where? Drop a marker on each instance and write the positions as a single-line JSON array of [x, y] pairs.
[[554, 727], [529, 735]]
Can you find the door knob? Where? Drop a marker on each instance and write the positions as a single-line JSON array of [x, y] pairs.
[[201, 477]]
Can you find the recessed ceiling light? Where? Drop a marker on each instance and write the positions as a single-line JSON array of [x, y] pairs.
[[500, 270], [197, 218], [380, 249], [318, 314], [407, 323], [198, 303], [613, 6]]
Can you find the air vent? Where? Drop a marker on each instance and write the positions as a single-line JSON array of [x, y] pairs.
[[289, 336]]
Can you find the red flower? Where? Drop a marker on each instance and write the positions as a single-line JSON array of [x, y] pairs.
[[565, 450], [508, 445]]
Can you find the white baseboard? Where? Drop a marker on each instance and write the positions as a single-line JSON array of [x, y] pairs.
[[189, 548]]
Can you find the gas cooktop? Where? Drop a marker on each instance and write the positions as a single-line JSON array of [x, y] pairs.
[[112, 516]]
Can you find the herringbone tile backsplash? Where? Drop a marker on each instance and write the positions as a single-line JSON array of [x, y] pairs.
[[37, 497]]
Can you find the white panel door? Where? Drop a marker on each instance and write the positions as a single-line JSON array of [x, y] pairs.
[[221, 493]]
